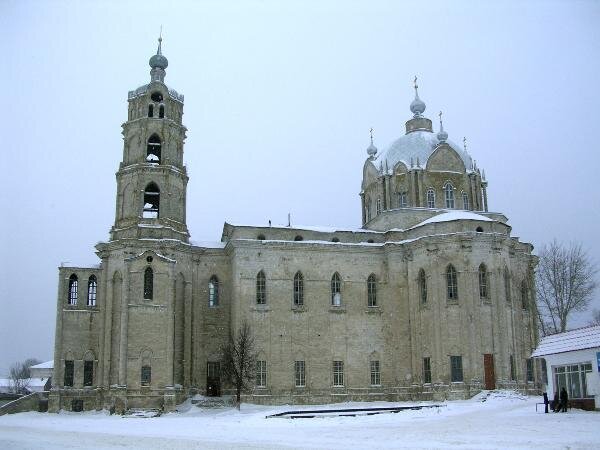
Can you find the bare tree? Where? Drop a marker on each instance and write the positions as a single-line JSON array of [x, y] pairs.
[[239, 360], [565, 283], [19, 375], [595, 317]]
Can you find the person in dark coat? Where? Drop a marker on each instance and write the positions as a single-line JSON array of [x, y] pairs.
[[546, 401], [564, 400], [554, 405]]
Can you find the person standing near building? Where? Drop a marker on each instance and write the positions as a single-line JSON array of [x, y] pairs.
[[564, 400]]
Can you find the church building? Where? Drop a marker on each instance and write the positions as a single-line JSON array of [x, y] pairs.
[[431, 297]]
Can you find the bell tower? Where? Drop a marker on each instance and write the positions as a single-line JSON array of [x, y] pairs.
[[152, 180]]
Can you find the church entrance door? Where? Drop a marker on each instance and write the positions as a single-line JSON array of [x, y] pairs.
[[488, 371], [213, 379]]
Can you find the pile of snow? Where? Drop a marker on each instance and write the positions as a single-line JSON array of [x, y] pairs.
[[455, 215]]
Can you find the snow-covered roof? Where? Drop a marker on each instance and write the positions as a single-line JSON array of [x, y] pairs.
[[455, 215], [417, 145], [44, 365], [308, 228], [208, 244], [579, 339]]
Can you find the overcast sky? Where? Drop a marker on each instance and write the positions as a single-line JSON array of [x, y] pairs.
[[279, 98]]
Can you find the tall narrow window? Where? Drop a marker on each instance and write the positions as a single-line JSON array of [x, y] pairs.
[[161, 112], [368, 208], [507, 285], [372, 290], [524, 295], [336, 290], [456, 369], [529, 363], [300, 373], [427, 370], [148, 283], [151, 202], [338, 373], [402, 200], [449, 195], [213, 291], [451, 283], [378, 210], [72, 298], [69, 372], [298, 289], [261, 373], [513, 375], [422, 286], [375, 374], [146, 375], [153, 149], [483, 281], [465, 200], [92, 290], [261, 288], [88, 373], [430, 198], [150, 110]]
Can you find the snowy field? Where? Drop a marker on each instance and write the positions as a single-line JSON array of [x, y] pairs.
[[503, 420]]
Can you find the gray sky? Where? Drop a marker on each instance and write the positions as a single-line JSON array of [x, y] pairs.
[[279, 98]]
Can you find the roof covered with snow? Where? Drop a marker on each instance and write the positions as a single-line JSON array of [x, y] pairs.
[[417, 145], [579, 339], [44, 365], [449, 216]]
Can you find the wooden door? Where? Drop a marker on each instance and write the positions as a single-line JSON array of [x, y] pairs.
[[213, 379], [488, 371]]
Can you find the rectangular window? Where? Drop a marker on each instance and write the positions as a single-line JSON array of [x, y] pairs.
[[69, 372], [146, 376], [299, 373], [375, 374], [338, 373], [402, 200], [456, 374], [513, 375], [88, 373], [426, 370], [529, 370], [572, 378], [261, 373], [544, 372]]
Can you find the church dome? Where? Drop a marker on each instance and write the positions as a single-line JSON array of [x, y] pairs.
[[417, 106], [417, 146], [158, 61]]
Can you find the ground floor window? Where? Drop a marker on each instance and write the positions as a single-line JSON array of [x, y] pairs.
[[572, 378], [456, 369], [69, 372], [427, 370], [146, 376], [375, 373], [261, 373], [88, 373], [300, 374], [338, 373], [529, 370], [513, 375]]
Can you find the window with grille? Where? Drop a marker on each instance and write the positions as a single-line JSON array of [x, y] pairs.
[[336, 287], [375, 374], [69, 372], [422, 286], [146, 375], [483, 282], [92, 291], [300, 373], [73, 282], [430, 198], [261, 373], [427, 370], [298, 289], [88, 373], [456, 369], [261, 288], [372, 290], [148, 283], [338, 373], [451, 283], [449, 194], [213, 291]]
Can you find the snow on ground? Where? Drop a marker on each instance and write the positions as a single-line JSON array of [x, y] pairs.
[[495, 420]]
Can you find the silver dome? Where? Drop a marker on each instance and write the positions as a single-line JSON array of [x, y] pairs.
[[417, 106], [158, 61]]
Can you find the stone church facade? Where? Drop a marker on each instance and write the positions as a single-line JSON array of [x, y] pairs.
[[431, 298]]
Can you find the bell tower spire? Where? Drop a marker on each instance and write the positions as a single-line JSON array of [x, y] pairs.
[[152, 179]]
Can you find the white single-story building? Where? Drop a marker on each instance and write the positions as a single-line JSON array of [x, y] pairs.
[[42, 370], [572, 360]]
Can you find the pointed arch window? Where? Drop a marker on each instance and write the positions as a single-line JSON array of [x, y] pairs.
[[298, 289], [153, 149], [402, 200], [148, 283], [336, 290], [73, 285], [430, 198], [465, 200], [261, 288], [422, 286], [507, 285], [451, 283], [483, 281], [92, 290], [150, 110], [524, 295], [161, 112], [372, 290], [151, 201], [449, 195], [213, 291]]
